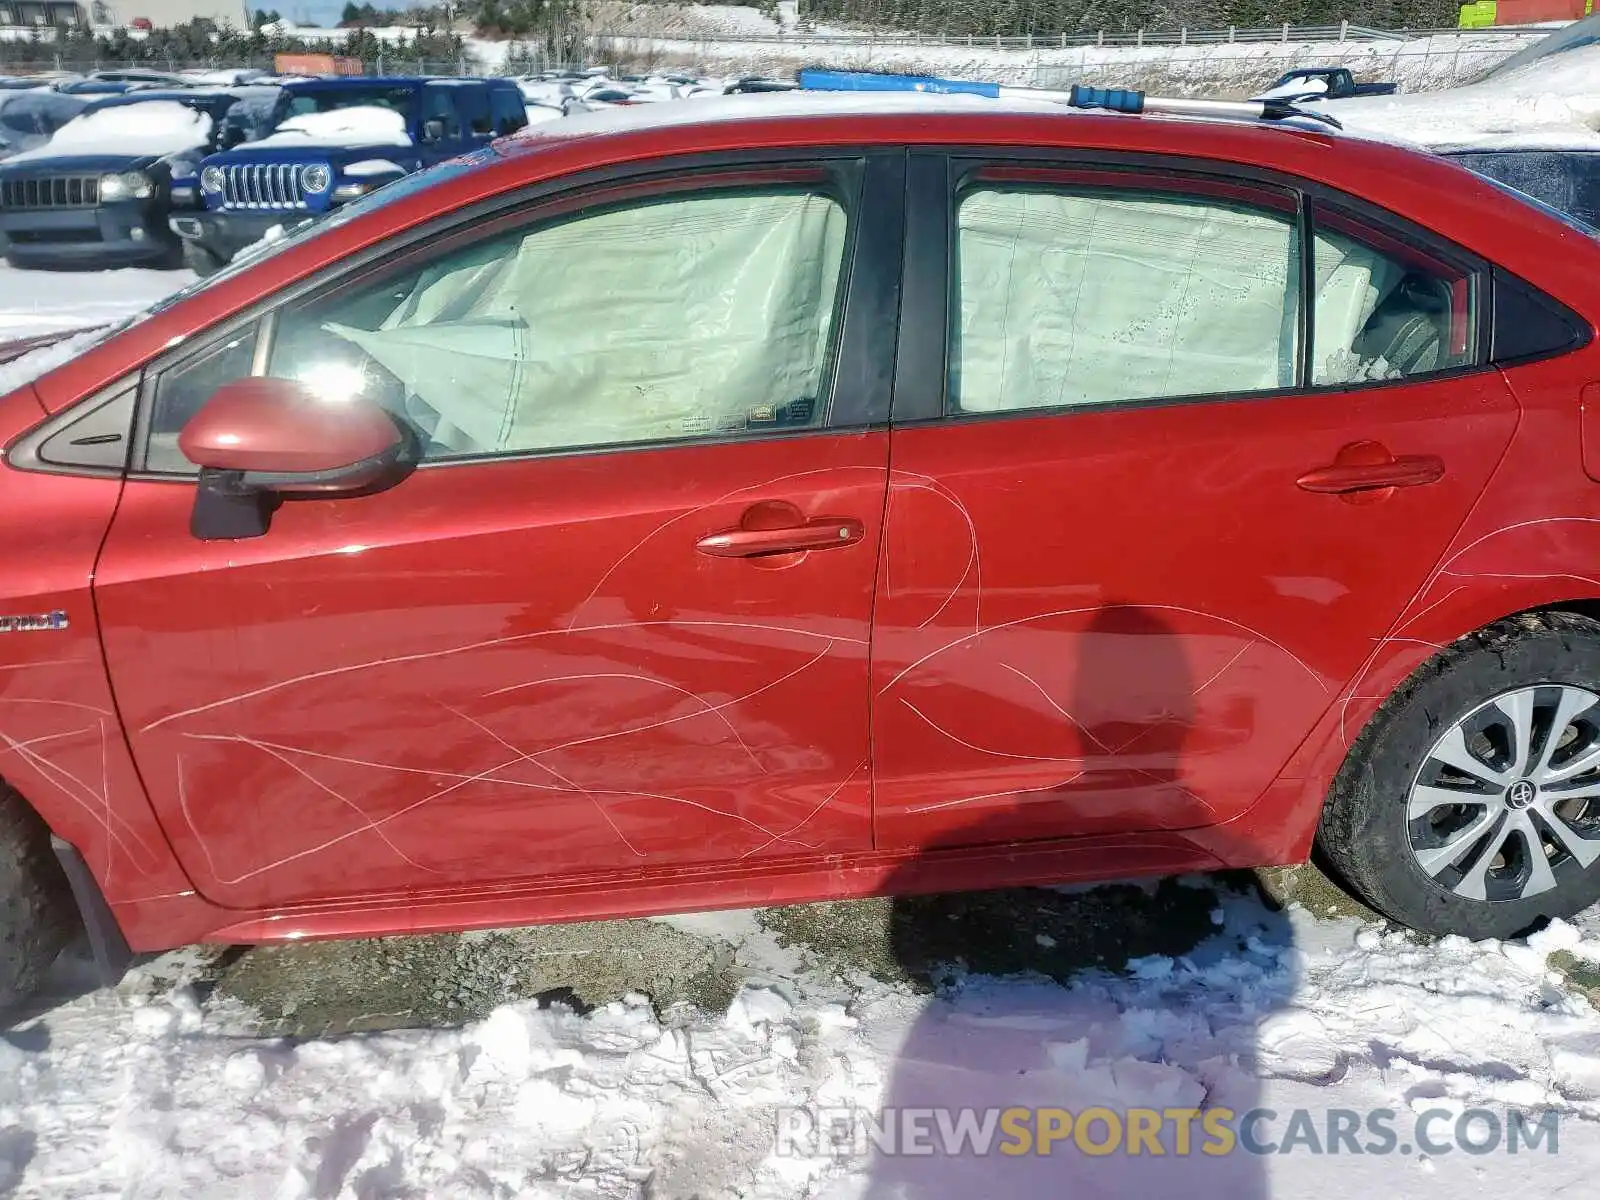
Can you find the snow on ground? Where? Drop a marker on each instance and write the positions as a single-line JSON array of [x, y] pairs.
[[36, 302], [151, 1091]]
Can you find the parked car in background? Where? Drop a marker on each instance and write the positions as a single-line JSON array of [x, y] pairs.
[[166, 79], [1323, 83], [1568, 180], [334, 140], [754, 85], [29, 118], [636, 517], [1527, 122], [100, 191]]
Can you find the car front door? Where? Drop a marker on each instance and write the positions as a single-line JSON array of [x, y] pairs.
[[618, 617], [1150, 510]]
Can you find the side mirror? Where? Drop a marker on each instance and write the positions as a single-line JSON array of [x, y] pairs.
[[259, 440], [433, 131]]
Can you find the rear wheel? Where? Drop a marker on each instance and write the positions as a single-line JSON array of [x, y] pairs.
[[36, 914], [1471, 804]]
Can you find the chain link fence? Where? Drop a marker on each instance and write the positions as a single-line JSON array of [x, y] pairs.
[[1182, 62]]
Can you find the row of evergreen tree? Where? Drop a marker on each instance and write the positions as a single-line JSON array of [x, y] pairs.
[[202, 42], [554, 30], [1018, 17]]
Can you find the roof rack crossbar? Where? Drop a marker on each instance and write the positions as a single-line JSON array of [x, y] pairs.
[[1108, 99]]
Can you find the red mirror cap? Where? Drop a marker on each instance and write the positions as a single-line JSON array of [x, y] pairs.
[[281, 426]]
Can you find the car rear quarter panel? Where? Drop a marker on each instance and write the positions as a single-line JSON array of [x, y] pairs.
[[1531, 541], [61, 743]]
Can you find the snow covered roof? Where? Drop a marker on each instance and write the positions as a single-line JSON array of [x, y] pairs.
[[150, 127], [358, 125]]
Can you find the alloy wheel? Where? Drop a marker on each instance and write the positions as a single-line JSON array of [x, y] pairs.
[[1506, 805]]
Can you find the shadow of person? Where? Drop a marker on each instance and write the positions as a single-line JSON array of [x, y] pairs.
[[1084, 1041]]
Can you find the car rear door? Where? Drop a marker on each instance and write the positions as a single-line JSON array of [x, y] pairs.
[[617, 619], [1149, 509]]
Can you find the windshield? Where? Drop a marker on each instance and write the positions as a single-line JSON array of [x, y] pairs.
[[37, 112], [298, 104], [1549, 210]]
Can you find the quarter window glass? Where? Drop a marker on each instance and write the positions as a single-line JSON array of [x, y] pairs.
[[182, 389], [1082, 296], [1384, 309], [692, 315]]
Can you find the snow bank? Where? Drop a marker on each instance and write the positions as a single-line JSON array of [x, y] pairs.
[[1551, 102], [148, 1091], [1224, 69], [43, 302], [358, 125], [157, 127]]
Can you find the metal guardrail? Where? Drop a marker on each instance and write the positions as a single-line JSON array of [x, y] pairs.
[[1343, 32]]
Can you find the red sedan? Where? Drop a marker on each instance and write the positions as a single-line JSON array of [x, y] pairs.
[[762, 500]]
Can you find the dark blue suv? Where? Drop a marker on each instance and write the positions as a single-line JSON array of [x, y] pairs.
[[334, 140], [99, 193]]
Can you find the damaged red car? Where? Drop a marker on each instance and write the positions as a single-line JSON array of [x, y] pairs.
[[796, 499]]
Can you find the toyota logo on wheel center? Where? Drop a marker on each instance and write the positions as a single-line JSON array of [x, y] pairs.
[[1521, 793]]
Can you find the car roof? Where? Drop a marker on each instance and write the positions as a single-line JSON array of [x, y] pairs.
[[773, 106], [193, 97]]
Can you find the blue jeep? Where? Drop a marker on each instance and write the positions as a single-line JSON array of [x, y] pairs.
[[333, 140]]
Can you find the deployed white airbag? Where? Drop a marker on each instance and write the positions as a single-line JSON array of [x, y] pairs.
[[1077, 298], [652, 321], [1083, 298]]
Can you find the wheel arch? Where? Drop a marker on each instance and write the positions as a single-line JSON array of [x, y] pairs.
[[1281, 826]]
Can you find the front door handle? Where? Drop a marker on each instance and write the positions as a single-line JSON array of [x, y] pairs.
[[823, 533], [1368, 466]]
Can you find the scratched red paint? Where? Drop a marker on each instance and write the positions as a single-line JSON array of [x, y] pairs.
[[517, 693]]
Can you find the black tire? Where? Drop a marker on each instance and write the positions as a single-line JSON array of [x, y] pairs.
[[36, 913], [201, 261], [1365, 833]]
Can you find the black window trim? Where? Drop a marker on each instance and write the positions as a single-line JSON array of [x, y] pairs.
[[870, 287], [935, 177]]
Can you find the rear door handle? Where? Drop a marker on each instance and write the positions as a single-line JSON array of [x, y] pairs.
[[1356, 471], [823, 533]]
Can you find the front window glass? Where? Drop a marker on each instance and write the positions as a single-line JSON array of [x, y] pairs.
[[181, 390], [675, 317]]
